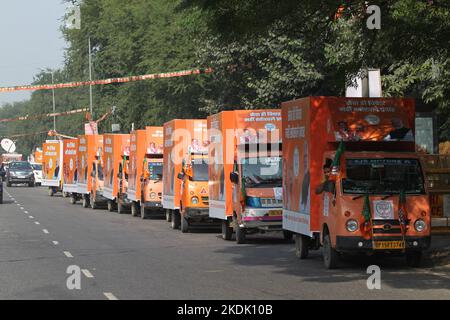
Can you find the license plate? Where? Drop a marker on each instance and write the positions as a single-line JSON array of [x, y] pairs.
[[385, 245], [273, 213]]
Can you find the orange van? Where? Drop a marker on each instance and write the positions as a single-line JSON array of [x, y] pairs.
[[351, 178], [52, 159]]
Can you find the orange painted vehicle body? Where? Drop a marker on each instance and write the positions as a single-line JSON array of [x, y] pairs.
[[152, 171], [88, 148], [70, 148], [346, 164], [138, 139], [185, 187], [52, 160], [38, 157], [245, 171]]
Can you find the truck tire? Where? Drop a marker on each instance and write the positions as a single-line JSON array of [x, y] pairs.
[[240, 234], [330, 255], [227, 230], [31, 185], [73, 199], [65, 195], [111, 206], [144, 214], [1, 197], [134, 209], [51, 192], [168, 216], [8, 184], [175, 221], [93, 203], [301, 246], [85, 201], [184, 225], [414, 258]]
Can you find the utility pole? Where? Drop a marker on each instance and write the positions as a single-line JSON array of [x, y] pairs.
[[54, 103], [90, 79]]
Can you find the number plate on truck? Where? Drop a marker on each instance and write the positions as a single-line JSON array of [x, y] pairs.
[[385, 245], [275, 213]]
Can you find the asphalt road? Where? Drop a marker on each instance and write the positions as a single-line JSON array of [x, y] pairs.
[[127, 258]]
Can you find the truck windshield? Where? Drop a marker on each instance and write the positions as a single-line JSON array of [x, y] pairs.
[[383, 176], [155, 170], [262, 171], [200, 172]]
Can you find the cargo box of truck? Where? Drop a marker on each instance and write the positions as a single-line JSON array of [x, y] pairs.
[[52, 159], [185, 187], [115, 146], [138, 148], [70, 149], [352, 180], [245, 171]]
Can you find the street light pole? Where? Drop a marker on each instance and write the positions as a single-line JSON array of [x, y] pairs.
[[90, 79], [54, 103]]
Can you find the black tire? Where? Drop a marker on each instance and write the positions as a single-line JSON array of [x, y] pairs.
[[240, 234], [414, 259], [1, 198], [111, 206], [135, 209], [175, 221], [330, 255], [184, 225], [51, 192], [288, 235], [144, 214], [227, 230], [168, 216], [31, 184], [85, 201], [93, 203], [73, 199], [8, 184], [301, 246], [65, 195]]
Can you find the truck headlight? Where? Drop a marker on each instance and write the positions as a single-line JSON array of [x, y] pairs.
[[352, 225], [153, 195], [420, 225], [194, 200]]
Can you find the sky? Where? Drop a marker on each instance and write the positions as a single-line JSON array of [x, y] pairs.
[[30, 39]]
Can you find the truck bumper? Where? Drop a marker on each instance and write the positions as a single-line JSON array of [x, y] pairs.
[[359, 244], [153, 205], [196, 213], [266, 219]]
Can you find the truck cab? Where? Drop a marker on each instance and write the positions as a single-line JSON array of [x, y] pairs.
[[257, 192], [390, 187], [194, 203], [152, 186]]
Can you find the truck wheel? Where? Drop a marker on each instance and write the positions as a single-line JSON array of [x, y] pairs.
[[1, 198], [111, 206], [65, 195], [227, 231], [94, 205], [184, 225], [240, 234], [85, 201], [168, 216], [144, 214], [414, 258], [73, 199], [8, 184], [51, 192], [288, 235], [301, 246], [134, 209], [175, 221], [330, 255], [31, 185]]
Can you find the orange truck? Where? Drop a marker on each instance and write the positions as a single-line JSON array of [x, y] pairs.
[[89, 149], [52, 158], [351, 178], [138, 140], [185, 174], [38, 156], [245, 172], [70, 148], [115, 148], [152, 173]]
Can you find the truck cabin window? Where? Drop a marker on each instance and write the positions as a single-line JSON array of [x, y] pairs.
[[383, 176], [155, 170], [262, 172], [200, 172]]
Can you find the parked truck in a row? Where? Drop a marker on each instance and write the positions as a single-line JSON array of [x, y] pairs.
[[339, 174]]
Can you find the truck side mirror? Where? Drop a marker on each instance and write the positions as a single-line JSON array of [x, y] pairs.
[[234, 177], [181, 176]]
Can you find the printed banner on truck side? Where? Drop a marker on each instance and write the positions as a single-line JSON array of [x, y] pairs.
[[51, 164], [70, 165]]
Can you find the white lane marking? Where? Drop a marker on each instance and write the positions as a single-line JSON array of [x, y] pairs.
[[110, 296], [37, 223], [87, 273], [26, 212], [22, 208], [68, 254], [31, 217], [55, 243], [45, 231]]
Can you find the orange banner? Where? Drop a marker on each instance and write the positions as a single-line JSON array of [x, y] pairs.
[[107, 81]]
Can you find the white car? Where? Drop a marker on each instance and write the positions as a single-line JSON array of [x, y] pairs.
[[37, 170]]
